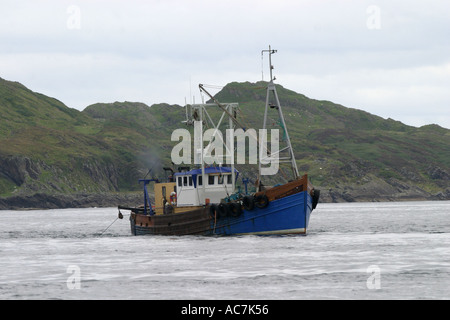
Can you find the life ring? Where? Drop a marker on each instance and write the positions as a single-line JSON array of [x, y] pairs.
[[234, 209], [261, 201], [248, 202], [173, 198], [222, 210]]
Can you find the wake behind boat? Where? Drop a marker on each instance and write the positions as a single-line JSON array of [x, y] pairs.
[[204, 200]]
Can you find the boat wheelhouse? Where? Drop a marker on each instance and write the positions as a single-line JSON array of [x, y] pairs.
[[197, 188]]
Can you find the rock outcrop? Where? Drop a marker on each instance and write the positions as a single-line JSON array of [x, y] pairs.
[[89, 183]]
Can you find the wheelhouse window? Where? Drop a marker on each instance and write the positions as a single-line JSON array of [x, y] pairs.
[[229, 179], [211, 180], [200, 180], [180, 181], [220, 179], [185, 181], [190, 181]]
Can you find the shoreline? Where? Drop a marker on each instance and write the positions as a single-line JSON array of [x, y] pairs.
[[41, 201]]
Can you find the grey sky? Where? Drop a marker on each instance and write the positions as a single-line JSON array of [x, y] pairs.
[[390, 58]]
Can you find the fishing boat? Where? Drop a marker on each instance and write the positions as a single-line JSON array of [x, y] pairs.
[[205, 200]]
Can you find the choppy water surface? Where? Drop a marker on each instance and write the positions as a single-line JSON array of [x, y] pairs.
[[352, 251]]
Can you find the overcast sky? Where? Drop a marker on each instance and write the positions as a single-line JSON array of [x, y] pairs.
[[390, 58]]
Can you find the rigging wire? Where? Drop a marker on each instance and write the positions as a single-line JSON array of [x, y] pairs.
[[110, 225], [213, 86]]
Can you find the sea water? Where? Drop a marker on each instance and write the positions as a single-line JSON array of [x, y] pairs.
[[352, 251]]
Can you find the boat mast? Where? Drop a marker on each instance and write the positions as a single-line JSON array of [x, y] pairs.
[[272, 89], [199, 110]]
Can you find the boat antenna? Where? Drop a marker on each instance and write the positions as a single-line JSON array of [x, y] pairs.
[[272, 89], [270, 51]]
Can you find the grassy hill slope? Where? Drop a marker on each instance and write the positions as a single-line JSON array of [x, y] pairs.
[[48, 148]]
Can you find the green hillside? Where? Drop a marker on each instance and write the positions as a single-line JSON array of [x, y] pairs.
[[47, 148]]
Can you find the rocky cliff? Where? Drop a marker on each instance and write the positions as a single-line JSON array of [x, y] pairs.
[[39, 185]]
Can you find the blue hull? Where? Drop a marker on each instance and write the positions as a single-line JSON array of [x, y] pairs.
[[289, 215]]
